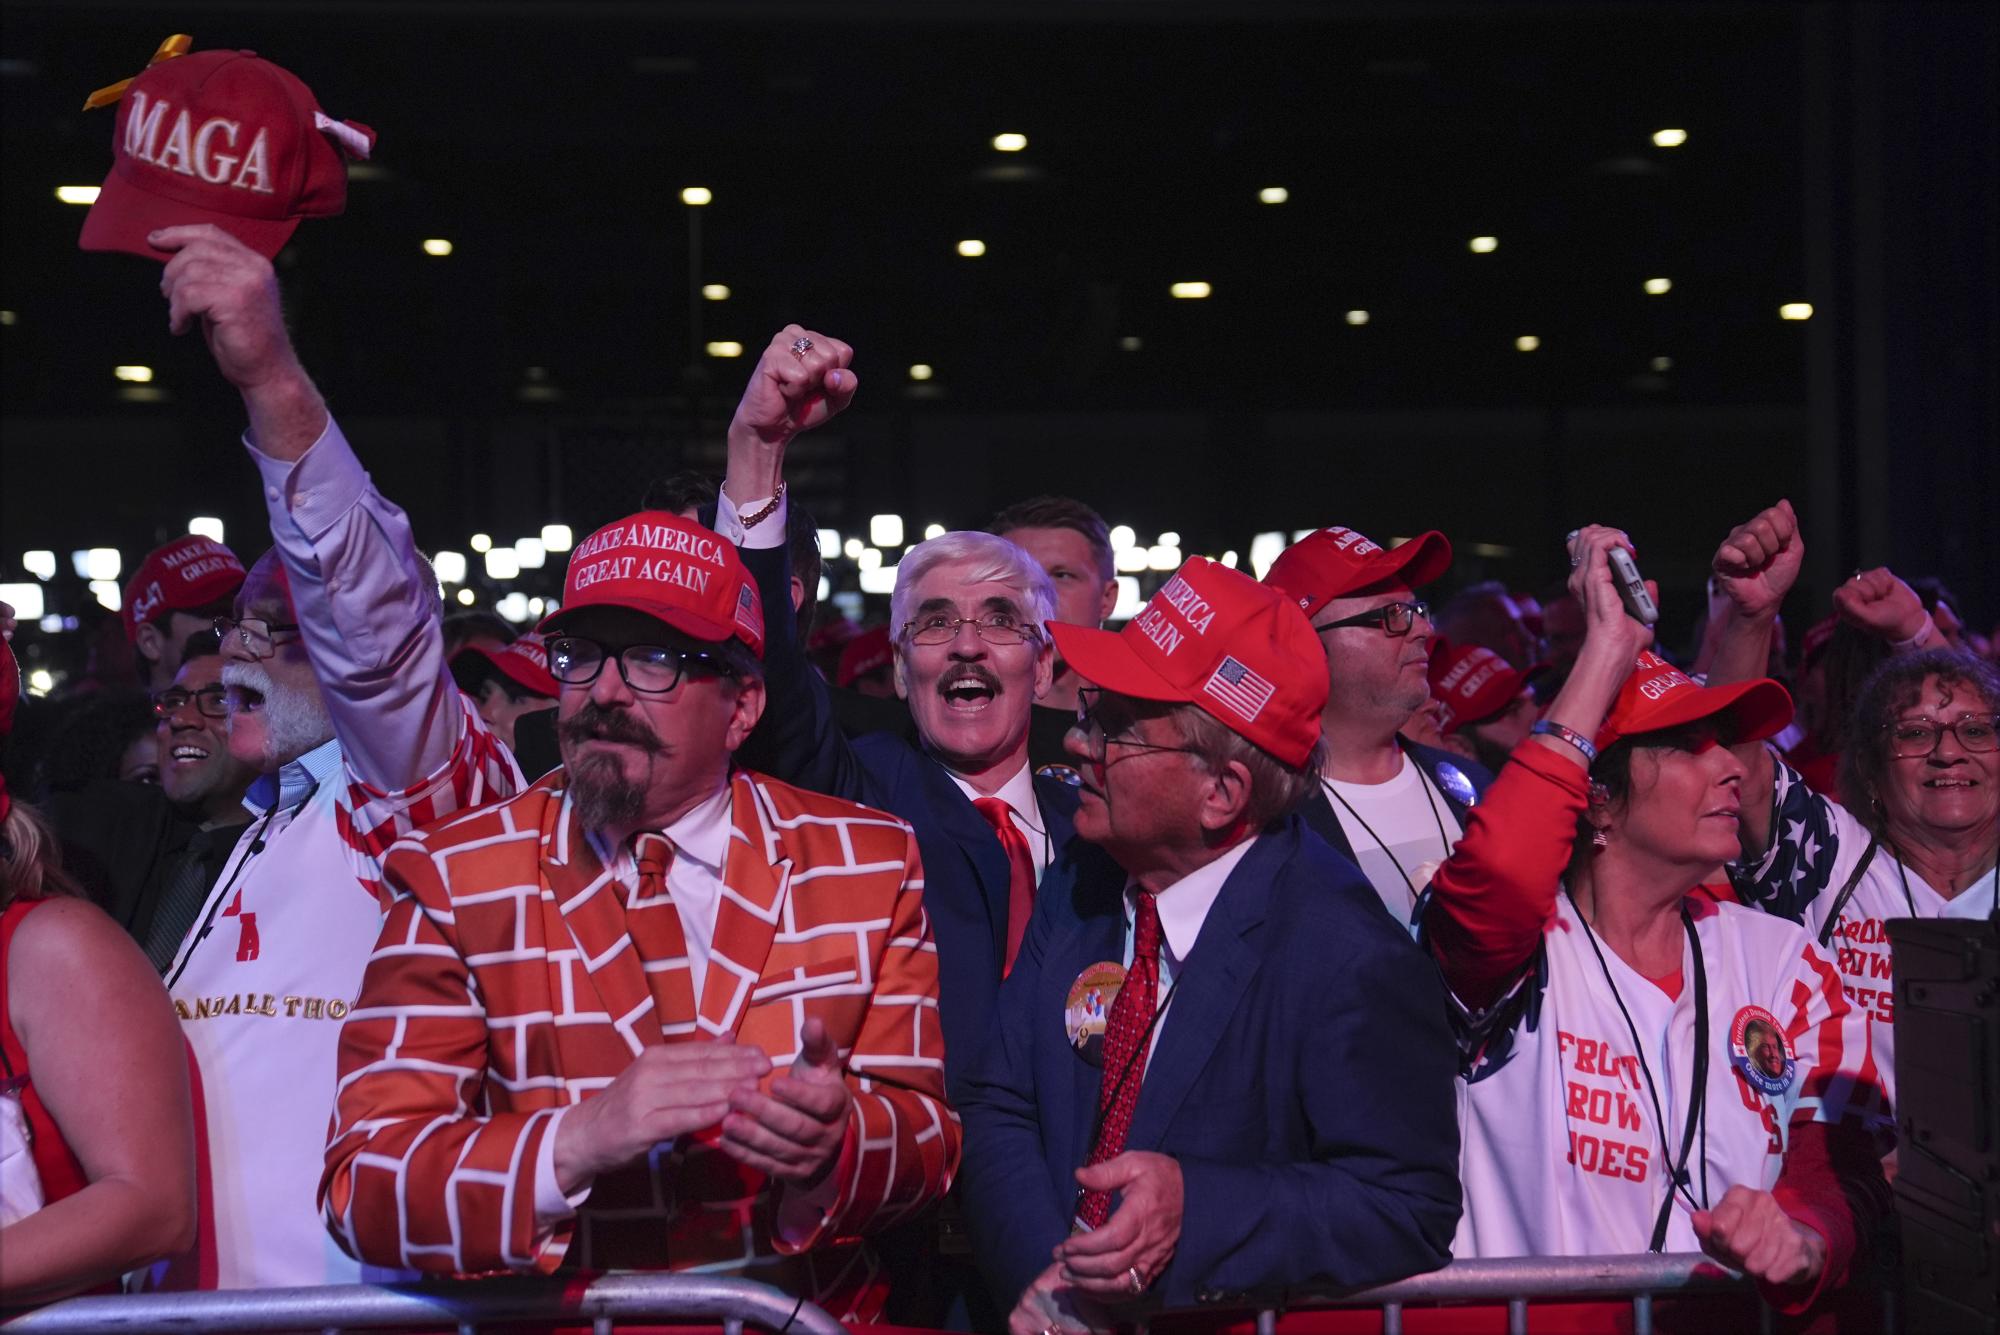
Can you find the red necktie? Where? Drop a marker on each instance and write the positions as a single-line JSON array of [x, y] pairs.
[[1125, 1032], [1020, 873]]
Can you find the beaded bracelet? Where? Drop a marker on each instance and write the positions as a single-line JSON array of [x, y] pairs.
[[1550, 728]]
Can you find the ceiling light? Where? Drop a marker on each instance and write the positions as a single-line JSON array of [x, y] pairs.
[[437, 247], [1357, 317], [886, 530], [697, 195], [8, 317], [1484, 245], [513, 606], [972, 249], [1669, 138], [77, 194], [450, 566], [1795, 310], [25, 599], [501, 563], [466, 597], [933, 531], [1129, 604], [725, 348], [882, 579], [1663, 363], [871, 559], [1122, 537], [41, 682], [557, 537], [1161, 556], [1190, 291], [96, 563], [715, 291], [1273, 194], [530, 553], [1131, 343], [851, 549], [206, 526], [829, 543], [1228, 559], [107, 593], [1659, 287], [1527, 343], [1009, 143], [1170, 540], [40, 564], [136, 375], [1264, 549], [481, 543], [1130, 560], [921, 372]]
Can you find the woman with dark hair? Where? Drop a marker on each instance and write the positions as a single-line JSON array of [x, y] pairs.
[[1918, 833], [93, 1055], [1644, 1068]]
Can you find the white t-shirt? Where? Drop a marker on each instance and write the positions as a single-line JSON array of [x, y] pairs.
[[1394, 828], [1561, 1149], [1815, 846]]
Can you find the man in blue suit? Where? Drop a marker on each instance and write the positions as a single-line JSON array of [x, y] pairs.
[[1394, 807], [1268, 1097]]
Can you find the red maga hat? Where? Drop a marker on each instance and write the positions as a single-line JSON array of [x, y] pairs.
[[1214, 638], [1659, 695], [1335, 562], [185, 575], [1472, 683], [865, 653], [666, 567], [525, 662], [220, 137]]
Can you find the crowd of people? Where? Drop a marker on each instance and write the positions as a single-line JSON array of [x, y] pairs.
[[1291, 933]]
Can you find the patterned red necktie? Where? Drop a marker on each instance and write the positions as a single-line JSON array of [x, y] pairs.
[[1020, 873], [1125, 1032]]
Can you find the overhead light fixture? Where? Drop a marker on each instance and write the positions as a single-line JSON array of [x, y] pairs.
[[851, 549], [77, 194], [1122, 538], [107, 593], [728, 347], [513, 606], [933, 531], [829, 543], [1190, 291], [697, 195], [1484, 245], [466, 597], [871, 559], [1131, 343], [715, 291], [1228, 559], [1170, 539], [1264, 549], [1009, 143], [1357, 318], [972, 249], [25, 599], [1659, 287], [1129, 603], [557, 537], [1527, 343], [481, 543], [1273, 194], [1663, 363], [134, 375], [96, 563], [921, 372], [1795, 310], [41, 564], [886, 530], [41, 681], [881, 580], [9, 317], [1161, 556], [1130, 560], [530, 553], [501, 563], [1669, 138], [450, 566], [437, 247]]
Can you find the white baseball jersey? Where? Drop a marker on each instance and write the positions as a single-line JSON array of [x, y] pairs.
[[1562, 1153], [1815, 846]]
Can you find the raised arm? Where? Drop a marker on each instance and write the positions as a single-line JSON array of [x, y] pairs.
[[366, 604], [1753, 570]]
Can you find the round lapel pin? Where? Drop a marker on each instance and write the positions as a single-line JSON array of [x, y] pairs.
[[1758, 1051], [1087, 1009]]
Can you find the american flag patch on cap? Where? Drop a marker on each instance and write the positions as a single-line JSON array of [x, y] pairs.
[[748, 615], [1241, 690]]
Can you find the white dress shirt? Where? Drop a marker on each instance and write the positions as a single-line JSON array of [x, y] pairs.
[[1183, 908], [1023, 809]]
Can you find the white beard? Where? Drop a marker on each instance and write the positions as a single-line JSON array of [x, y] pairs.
[[294, 721]]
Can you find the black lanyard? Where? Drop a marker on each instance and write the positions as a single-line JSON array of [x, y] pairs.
[[1697, 1094], [215, 904], [1444, 841]]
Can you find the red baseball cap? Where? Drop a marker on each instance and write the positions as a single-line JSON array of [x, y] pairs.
[[525, 662], [867, 652], [1659, 695], [1335, 562], [186, 575], [1215, 638], [667, 567], [1472, 683], [221, 137]]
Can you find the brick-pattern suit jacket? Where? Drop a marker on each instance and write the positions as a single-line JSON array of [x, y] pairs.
[[506, 986]]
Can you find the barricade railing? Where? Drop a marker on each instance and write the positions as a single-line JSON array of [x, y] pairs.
[[460, 1306]]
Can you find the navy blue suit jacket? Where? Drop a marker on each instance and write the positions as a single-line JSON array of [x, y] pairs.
[[1439, 766], [965, 872], [1302, 1078]]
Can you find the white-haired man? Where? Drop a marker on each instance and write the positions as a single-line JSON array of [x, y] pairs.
[[340, 697], [968, 621]]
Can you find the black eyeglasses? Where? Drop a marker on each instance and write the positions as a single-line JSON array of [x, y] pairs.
[[1097, 742], [210, 701], [258, 635], [1914, 738], [649, 669], [992, 627], [1393, 618]]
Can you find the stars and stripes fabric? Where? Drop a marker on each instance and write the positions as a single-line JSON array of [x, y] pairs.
[[1241, 690], [515, 976]]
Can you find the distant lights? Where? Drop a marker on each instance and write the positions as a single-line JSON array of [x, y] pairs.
[[206, 526], [886, 530], [1264, 549], [1527, 343], [921, 372], [1129, 560], [530, 553], [933, 531], [437, 247], [1662, 363], [870, 559], [972, 248], [1009, 143], [696, 195], [39, 563], [101, 563], [450, 567], [851, 549], [1273, 194], [513, 606], [77, 194], [1483, 245], [25, 599], [1357, 318], [1190, 291], [502, 563], [41, 682], [9, 317], [1659, 287], [727, 347], [134, 375], [557, 537], [1170, 539], [1122, 537], [1131, 343], [1163, 556], [829, 544], [480, 542], [1669, 138], [466, 597], [1795, 310], [879, 580], [715, 291], [107, 593]]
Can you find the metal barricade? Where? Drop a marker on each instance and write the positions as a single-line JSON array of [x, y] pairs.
[[462, 1306]]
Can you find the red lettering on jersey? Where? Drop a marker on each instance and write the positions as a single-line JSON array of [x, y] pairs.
[[1586, 1056], [1878, 965], [1636, 1160], [1579, 1097], [246, 941], [1628, 1114]]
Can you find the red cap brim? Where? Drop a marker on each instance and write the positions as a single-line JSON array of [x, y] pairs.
[[124, 215], [688, 623], [1106, 658], [1428, 556], [1759, 709]]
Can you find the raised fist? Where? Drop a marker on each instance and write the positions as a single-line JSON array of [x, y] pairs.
[[1757, 564], [802, 380], [1879, 603]]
